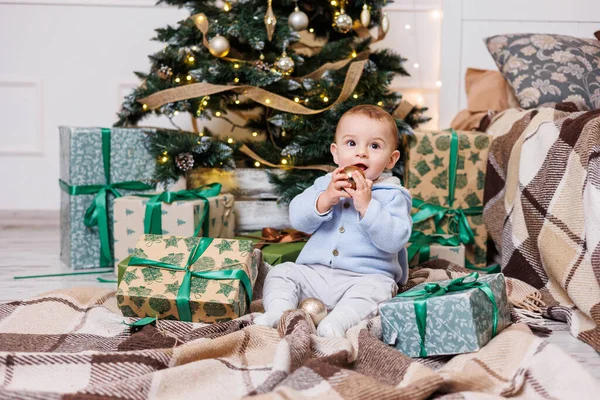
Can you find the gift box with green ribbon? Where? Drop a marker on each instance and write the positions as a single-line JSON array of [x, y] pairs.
[[97, 165], [445, 175], [188, 278], [422, 247], [198, 212], [278, 246], [448, 317]]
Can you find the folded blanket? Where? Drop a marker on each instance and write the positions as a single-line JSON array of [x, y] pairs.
[[73, 344], [542, 199]]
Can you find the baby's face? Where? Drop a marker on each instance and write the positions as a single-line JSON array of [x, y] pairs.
[[366, 143]]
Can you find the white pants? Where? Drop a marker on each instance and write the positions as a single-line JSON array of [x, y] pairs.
[[346, 292]]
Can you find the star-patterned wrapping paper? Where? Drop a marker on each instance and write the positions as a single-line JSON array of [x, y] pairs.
[[457, 322], [426, 178], [152, 292], [180, 218]]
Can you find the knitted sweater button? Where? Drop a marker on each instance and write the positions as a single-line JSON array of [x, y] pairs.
[[336, 253], [346, 205], [342, 229]]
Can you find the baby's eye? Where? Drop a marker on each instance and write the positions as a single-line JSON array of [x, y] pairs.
[[351, 143], [375, 146]]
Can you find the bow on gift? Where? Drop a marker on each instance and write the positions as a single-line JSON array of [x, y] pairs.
[[272, 235], [431, 290], [420, 242], [153, 217], [183, 294], [458, 222], [97, 212]]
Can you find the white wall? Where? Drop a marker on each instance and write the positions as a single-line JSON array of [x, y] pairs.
[[69, 62]]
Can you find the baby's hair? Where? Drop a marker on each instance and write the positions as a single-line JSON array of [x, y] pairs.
[[376, 113]]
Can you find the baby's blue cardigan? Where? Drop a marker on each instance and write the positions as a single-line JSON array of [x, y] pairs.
[[342, 239]]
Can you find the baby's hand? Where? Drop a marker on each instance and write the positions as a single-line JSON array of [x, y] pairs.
[[362, 194], [331, 196]]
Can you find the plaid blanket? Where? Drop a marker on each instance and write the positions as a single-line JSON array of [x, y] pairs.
[[72, 344], [542, 210]]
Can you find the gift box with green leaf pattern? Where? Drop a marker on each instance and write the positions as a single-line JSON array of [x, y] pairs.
[[195, 279], [96, 166], [448, 317]]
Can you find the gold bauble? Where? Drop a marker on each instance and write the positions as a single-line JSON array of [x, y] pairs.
[[343, 22], [315, 308], [365, 16], [385, 23], [270, 21], [218, 46], [284, 65]]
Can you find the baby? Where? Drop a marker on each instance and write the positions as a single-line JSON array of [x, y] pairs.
[[351, 262]]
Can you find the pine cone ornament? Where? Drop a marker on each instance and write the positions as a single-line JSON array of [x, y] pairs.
[[262, 66], [184, 161]]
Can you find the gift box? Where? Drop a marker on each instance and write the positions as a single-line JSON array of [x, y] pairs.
[[179, 213], [188, 278], [96, 165], [445, 175], [278, 246], [423, 248], [449, 317]]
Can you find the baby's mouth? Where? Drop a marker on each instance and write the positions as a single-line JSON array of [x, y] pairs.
[[362, 166]]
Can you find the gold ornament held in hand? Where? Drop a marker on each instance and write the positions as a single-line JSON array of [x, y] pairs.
[[315, 308], [348, 171]]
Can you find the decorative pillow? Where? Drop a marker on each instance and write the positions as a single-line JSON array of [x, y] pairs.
[[549, 68]]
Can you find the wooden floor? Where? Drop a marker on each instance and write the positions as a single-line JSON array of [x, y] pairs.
[[29, 245]]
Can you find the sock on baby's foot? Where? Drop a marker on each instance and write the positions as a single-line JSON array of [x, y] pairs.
[[273, 313], [337, 323]]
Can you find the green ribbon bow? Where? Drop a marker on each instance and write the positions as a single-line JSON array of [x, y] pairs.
[[420, 242], [458, 217], [183, 294], [153, 217], [431, 290], [97, 212]]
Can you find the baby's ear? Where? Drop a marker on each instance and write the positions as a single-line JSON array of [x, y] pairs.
[[333, 150], [393, 159]]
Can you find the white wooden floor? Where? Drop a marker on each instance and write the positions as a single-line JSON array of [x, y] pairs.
[[29, 245]]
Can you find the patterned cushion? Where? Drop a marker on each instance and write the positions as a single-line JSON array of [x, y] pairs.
[[549, 68]]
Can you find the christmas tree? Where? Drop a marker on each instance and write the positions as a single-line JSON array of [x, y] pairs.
[[290, 68]]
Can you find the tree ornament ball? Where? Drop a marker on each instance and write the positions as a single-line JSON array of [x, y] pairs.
[[348, 171], [284, 65], [219, 46], [298, 20], [343, 23], [315, 308]]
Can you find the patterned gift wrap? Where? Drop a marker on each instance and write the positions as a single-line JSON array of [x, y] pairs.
[[429, 181], [91, 159], [423, 248], [457, 316], [188, 279], [179, 218]]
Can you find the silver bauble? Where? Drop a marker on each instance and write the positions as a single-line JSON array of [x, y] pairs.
[[315, 308], [365, 16], [298, 20], [343, 22], [284, 65], [218, 46]]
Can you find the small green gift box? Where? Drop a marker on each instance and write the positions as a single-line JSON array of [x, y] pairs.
[[448, 317], [269, 240]]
